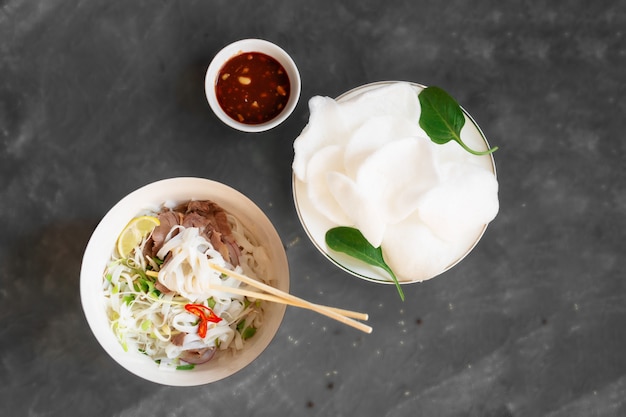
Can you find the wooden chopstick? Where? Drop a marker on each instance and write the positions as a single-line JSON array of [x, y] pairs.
[[280, 300], [326, 311]]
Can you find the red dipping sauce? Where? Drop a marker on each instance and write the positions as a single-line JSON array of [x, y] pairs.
[[252, 88]]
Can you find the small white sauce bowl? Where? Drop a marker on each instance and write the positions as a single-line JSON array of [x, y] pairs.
[[252, 45]]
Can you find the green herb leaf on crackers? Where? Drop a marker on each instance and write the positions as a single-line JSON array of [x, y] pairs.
[[442, 118]]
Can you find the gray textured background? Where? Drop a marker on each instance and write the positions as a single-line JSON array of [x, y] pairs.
[[98, 98]]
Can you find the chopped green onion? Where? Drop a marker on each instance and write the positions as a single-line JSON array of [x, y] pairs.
[[248, 332], [241, 325]]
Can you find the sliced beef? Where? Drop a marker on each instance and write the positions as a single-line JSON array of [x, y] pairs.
[[197, 356], [208, 217], [178, 339], [194, 219], [216, 228], [167, 219]]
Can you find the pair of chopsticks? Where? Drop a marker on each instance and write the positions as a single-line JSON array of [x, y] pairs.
[[277, 296]]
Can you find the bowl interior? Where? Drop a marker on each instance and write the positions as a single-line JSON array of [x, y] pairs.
[[100, 247], [252, 45], [316, 225]]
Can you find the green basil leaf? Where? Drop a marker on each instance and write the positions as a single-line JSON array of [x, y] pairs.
[[442, 118], [352, 242]]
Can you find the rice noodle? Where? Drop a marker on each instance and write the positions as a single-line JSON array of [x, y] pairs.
[[156, 323]]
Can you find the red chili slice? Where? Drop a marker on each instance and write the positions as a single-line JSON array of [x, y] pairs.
[[205, 314]]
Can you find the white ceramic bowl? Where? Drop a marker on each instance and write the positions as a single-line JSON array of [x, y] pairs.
[[102, 244], [252, 45], [316, 225]]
